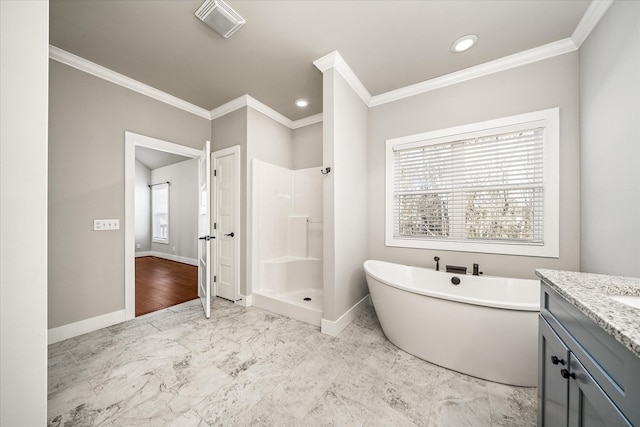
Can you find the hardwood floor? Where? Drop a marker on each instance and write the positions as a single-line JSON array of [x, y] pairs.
[[161, 283]]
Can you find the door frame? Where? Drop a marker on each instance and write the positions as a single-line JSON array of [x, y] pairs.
[[235, 150], [131, 141]]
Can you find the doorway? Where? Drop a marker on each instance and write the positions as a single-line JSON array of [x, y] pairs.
[[226, 223], [132, 142]]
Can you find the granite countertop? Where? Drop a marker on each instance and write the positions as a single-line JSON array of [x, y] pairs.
[[588, 293]]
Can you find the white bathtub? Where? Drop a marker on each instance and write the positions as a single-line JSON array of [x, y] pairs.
[[486, 327]]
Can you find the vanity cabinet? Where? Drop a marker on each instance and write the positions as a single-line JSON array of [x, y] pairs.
[[568, 394], [586, 377]]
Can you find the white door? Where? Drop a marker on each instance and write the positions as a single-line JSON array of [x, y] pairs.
[[226, 189], [204, 229]]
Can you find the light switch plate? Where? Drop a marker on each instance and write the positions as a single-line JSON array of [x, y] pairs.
[[106, 224]]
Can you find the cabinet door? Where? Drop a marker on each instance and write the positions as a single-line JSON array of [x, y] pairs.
[[553, 390], [589, 406]]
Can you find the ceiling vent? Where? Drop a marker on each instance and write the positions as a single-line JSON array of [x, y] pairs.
[[219, 16]]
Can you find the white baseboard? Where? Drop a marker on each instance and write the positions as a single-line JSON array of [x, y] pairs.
[[334, 328], [245, 300], [83, 326], [170, 257]]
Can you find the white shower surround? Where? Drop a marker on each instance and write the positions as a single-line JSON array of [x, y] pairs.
[[287, 240]]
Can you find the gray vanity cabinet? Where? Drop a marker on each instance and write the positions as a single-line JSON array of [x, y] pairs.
[[567, 394], [553, 392], [588, 404], [585, 377]]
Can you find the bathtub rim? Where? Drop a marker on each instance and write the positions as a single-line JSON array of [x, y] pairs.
[[503, 305]]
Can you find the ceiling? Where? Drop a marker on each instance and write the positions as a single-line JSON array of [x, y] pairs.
[[154, 159], [388, 44]]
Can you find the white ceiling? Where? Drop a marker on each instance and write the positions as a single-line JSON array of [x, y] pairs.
[[389, 44], [154, 159]]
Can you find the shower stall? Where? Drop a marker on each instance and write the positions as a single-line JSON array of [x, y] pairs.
[[287, 241]]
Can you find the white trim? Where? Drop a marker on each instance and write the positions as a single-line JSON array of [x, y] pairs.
[[244, 300], [249, 101], [512, 61], [334, 328], [235, 150], [104, 73], [335, 60], [170, 257], [268, 111], [94, 69], [589, 20], [592, 16], [228, 107], [297, 124], [551, 247], [131, 140], [84, 326]]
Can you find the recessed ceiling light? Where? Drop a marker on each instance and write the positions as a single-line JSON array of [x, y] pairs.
[[302, 102], [464, 43]]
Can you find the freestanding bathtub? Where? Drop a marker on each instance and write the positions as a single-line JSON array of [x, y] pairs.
[[485, 326]]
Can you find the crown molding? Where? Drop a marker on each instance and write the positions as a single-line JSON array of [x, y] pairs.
[[249, 101], [268, 111], [306, 121], [590, 19], [94, 69], [334, 60], [228, 107], [512, 61]]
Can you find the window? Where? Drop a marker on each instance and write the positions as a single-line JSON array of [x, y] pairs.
[[486, 187], [160, 213]]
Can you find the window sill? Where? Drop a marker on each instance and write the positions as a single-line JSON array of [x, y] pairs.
[[162, 241], [543, 251]]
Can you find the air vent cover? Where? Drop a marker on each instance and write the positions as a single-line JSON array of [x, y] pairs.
[[219, 16]]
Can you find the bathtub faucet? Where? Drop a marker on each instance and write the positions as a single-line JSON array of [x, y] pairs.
[[437, 260], [476, 269]]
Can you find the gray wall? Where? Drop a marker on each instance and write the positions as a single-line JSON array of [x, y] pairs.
[[268, 140], [24, 51], [183, 209], [345, 196], [307, 146], [143, 208], [227, 131], [610, 143], [87, 120], [545, 84]]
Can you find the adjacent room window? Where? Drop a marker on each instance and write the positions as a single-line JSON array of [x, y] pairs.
[[160, 213], [486, 187]]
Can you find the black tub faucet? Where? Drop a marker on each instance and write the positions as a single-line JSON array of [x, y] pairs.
[[437, 260], [476, 270]]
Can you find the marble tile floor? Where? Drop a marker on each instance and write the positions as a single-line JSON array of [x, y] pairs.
[[247, 366]]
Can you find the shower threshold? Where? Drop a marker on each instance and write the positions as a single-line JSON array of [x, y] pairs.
[[292, 304]]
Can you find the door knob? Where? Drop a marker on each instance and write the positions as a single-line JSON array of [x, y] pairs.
[[207, 238], [230, 234]]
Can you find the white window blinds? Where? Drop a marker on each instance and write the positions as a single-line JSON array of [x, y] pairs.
[[160, 213], [487, 188]]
